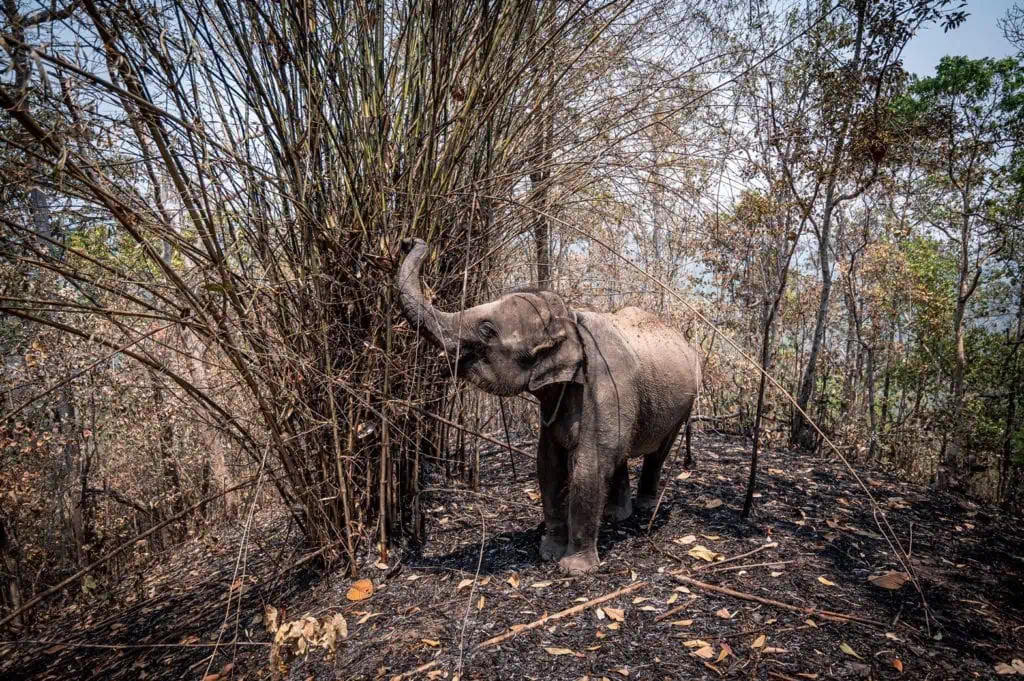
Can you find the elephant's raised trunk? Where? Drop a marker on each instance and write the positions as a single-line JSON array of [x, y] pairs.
[[436, 325]]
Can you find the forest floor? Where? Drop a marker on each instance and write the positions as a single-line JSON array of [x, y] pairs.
[[812, 544]]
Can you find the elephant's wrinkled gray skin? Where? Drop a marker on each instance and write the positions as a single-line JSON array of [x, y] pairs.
[[610, 386]]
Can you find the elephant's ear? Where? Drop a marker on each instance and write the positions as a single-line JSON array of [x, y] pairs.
[[559, 358]]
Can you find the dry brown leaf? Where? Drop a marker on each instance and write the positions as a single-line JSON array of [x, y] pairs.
[[759, 641], [1004, 669], [540, 585], [463, 584], [614, 626], [1018, 665], [600, 613], [672, 599], [685, 475], [431, 642], [704, 553], [845, 647], [360, 590], [897, 664], [683, 541], [891, 580], [723, 613], [534, 495], [713, 504], [480, 603], [774, 651], [513, 581], [616, 614], [270, 618], [696, 643], [681, 623], [826, 581], [560, 651], [706, 653]]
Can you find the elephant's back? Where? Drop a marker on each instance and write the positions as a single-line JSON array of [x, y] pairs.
[[669, 366]]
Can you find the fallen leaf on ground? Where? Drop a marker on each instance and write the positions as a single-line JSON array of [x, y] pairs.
[[774, 651], [640, 599], [723, 613], [672, 599], [845, 647], [360, 590], [614, 626], [759, 641], [704, 553], [463, 584], [513, 581], [826, 581], [695, 643], [891, 580], [681, 623], [713, 504], [622, 671], [540, 585], [897, 664], [706, 653], [534, 495], [480, 603], [616, 614], [560, 651], [431, 642], [684, 475], [600, 613], [683, 541]]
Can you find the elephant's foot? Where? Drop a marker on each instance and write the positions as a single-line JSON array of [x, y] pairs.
[[646, 503], [551, 548], [619, 512], [579, 563]]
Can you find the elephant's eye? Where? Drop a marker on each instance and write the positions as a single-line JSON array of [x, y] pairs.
[[487, 330]]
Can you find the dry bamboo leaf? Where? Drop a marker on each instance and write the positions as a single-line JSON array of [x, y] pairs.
[[683, 541], [681, 623], [696, 643], [540, 585], [431, 642], [759, 641], [713, 504], [616, 614], [845, 647], [560, 651], [360, 590], [774, 651], [463, 584], [826, 581], [704, 553], [706, 653], [672, 599], [614, 626], [480, 603], [1004, 669], [891, 580], [723, 613], [513, 581]]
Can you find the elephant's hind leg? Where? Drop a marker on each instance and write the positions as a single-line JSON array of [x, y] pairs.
[[650, 474], [620, 501]]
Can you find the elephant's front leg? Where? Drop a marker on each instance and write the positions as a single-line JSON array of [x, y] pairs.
[[589, 479], [552, 473]]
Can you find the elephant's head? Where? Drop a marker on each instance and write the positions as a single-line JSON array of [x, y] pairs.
[[523, 341]]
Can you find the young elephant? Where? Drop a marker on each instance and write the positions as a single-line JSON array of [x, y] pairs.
[[610, 386]]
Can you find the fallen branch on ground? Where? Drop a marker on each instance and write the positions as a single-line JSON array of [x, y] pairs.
[[414, 672], [576, 609], [824, 614], [735, 558], [752, 565]]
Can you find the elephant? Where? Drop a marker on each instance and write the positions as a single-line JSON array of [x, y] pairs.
[[610, 387]]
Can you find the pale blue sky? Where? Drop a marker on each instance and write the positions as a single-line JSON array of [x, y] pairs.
[[977, 37]]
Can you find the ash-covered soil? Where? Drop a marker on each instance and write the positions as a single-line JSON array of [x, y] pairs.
[[813, 542]]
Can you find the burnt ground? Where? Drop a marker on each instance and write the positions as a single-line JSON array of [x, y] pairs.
[[479, 573]]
